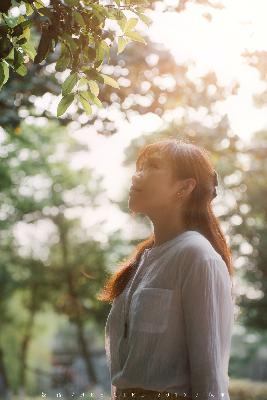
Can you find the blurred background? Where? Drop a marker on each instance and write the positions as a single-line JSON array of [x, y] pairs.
[[65, 224]]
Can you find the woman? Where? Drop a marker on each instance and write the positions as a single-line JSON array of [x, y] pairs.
[[168, 333]]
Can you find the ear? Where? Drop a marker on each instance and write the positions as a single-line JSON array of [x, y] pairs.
[[189, 185]]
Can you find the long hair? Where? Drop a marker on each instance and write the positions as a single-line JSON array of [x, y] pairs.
[[187, 161]]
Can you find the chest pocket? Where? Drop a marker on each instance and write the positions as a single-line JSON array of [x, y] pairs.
[[150, 309]]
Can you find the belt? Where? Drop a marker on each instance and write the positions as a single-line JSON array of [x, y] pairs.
[[139, 393]]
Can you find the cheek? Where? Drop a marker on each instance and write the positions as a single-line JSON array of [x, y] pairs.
[[160, 191]]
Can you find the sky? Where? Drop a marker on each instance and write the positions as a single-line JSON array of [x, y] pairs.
[[217, 45]]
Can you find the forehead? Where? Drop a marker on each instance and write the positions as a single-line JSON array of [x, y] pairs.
[[152, 155]]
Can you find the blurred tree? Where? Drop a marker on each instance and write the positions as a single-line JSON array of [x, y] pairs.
[[42, 189], [253, 248]]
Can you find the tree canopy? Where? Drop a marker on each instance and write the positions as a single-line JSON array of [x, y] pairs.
[[76, 33]]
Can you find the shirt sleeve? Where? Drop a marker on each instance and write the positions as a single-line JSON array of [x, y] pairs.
[[208, 316]]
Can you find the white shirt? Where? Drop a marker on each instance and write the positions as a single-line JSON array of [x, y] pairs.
[[180, 313]]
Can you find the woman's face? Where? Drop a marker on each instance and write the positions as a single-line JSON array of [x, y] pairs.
[[156, 188]]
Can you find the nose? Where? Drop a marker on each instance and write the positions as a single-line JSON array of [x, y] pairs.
[[136, 180]]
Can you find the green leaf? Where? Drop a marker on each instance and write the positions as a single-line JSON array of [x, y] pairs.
[[136, 37], [4, 73], [98, 64], [64, 59], [62, 63], [93, 98], [147, 20], [110, 81], [106, 48], [93, 87], [79, 19], [64, 103], [27, 33], [85, 94], [96, 100], [130, 24], [121, 44], [22, 70], [86, 106], [30, 50], [93, 74], [29, 9], [39, 4], [140, 9], [100, 52], [116, 14], [69, 83], [18, 58], [72, 2], [83, 81], [70, 41]]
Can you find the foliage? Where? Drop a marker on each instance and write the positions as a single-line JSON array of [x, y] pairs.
[[67, 268], [244, 389], [253, 248], [78, 28]]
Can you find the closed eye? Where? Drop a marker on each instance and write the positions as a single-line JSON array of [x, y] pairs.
[[152, 164]]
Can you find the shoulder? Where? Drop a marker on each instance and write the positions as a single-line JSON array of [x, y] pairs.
[[197, 256], [196, 246]]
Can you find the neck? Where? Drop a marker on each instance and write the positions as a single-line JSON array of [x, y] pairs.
[[165, 228]]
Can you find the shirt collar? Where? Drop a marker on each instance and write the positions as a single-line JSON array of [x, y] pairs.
[[157, 250]]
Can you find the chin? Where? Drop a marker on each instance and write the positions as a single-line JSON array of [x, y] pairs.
[[133, 206]]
